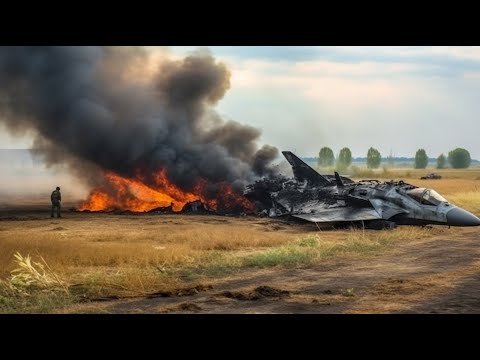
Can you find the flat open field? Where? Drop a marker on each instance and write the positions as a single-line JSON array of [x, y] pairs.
[[105, 263]]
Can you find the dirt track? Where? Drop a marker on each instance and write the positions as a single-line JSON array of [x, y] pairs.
[[435, 275]]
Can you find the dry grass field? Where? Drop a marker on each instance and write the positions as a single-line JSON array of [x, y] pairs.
[[88, 262]]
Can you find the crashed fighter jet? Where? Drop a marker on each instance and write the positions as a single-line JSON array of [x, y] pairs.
[[337, 199]]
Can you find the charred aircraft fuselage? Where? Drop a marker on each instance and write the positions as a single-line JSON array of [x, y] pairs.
[[332, 199]]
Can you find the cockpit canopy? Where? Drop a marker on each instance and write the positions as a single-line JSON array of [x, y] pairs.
[[426, 196]]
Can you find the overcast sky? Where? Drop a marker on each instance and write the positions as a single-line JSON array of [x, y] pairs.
[[396, 99]]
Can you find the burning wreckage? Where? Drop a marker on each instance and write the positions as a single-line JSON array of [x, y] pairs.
[[147, 145], [337, 199], [327, 199]]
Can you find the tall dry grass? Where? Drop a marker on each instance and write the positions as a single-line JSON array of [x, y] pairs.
[[32, 275], [109, 255], [120, 246], [469, 200]]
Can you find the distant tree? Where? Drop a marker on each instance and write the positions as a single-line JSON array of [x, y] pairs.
[[344, 159], [373, 158], [421, 159], [459, 158], [441, 160], [326, 157]]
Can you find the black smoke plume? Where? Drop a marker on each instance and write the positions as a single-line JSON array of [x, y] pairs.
[[107, 108]]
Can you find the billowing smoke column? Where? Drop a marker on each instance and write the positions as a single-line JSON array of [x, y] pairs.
[[98, 108]]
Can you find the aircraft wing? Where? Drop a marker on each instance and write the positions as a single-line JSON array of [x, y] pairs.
[[388, 211], [340, 214]]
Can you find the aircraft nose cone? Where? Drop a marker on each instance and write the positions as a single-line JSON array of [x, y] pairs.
[[460, 217]]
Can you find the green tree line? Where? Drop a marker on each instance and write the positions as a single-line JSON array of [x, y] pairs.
[[458, 158]]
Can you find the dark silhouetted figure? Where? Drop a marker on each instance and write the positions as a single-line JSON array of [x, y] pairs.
[[56, 199]]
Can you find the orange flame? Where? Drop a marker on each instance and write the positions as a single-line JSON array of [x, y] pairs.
[[122, 193]]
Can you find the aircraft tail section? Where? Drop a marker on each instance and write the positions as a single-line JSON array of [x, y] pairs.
[[338, 179], [303, 172]]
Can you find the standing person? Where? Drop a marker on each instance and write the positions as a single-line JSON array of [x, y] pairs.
[[56, 198]]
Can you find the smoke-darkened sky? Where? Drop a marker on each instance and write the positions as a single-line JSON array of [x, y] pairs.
[[121, 110], [397, 99]]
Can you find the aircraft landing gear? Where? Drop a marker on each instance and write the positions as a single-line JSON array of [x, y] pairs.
[[380, 225]]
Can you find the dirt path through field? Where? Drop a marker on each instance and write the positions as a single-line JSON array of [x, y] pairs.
[[440, 274]]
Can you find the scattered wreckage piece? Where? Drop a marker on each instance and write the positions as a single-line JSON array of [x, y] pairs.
[[431, 176]]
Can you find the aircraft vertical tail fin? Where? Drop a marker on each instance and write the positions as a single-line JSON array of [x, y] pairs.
[[338, 179], [303, 172]]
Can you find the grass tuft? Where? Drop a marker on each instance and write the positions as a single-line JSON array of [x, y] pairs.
[[285, 256], [32, 276], [469, 200]]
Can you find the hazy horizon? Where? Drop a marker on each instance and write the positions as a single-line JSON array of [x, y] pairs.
[[384, 157]]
